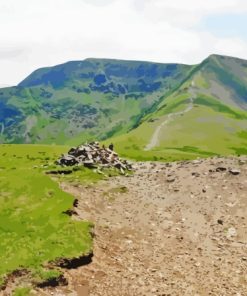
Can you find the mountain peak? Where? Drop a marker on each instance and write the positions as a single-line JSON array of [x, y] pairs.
[[222, 57]]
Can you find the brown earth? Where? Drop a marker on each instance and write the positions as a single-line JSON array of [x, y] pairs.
[[170, 229]]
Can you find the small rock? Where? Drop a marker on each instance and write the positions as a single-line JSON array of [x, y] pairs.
[[170, 179], [195, 174], [234, 171], [231, 232], [220, 169], [196, 161]]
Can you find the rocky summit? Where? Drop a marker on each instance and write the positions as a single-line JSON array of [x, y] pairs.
[[92, 155]]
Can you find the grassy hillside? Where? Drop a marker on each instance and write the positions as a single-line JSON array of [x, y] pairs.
[[224, 78], [83, 100], [150, 110], [208, 128], [205, 115], [34, 226]]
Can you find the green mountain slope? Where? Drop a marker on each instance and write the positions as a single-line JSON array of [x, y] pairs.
[[224, 78], [168, 111], [205, 116], [83, 100]]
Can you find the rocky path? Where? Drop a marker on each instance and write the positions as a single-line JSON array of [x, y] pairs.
[[170, 229], [156, 136]]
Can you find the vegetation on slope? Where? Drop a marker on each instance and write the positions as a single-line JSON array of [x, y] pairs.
[[34, 228], [209, 128], [83, 100], [99, 99]]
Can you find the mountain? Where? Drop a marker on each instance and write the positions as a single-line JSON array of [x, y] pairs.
[[147, 109], [205, 116], [83, 100]]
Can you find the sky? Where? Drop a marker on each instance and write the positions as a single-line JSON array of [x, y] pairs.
[[40, 33]]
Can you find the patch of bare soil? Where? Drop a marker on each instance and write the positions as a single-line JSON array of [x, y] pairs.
[[170, 229]]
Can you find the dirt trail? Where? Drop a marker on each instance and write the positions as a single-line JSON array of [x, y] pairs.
[[171, 229], [155, 138], [156, 135]]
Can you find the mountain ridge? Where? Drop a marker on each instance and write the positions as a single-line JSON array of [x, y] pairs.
[[99, 60], [103, 98]]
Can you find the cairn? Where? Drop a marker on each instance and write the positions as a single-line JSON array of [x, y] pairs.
[[93, 156]]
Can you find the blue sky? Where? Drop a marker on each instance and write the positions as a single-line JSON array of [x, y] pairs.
[[42, 33], [226, 25]]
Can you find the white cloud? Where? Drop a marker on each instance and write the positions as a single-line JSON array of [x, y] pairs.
[[232, 47], [46, 32]]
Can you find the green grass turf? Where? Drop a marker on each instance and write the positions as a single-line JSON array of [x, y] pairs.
[[33, 228], [25, 291]]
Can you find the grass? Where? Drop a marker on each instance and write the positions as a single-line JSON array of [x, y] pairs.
[[219, 107], [33, 228], [78, 175], [41, 275], [210, 128], [23, 291]]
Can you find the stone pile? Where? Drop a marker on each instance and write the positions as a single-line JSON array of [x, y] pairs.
[[93, 156]]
